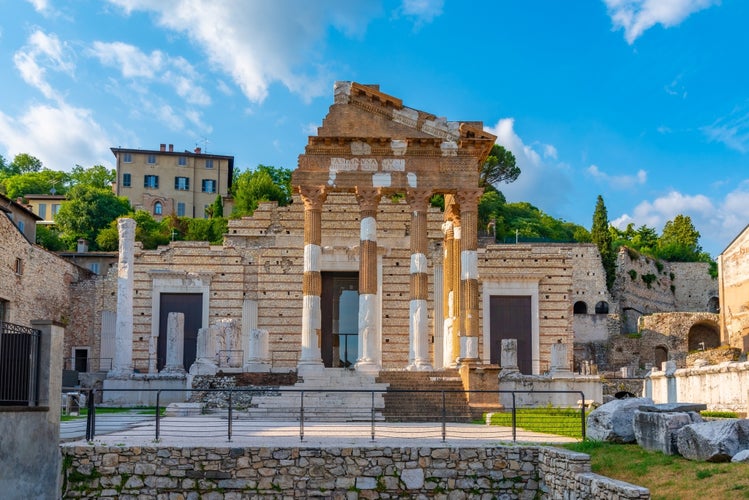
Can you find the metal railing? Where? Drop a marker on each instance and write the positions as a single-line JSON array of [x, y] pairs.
[[19, 365], [439, 412]]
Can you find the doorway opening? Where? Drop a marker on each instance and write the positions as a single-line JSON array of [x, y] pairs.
[[191, 305], [339, 309], [510, 318]]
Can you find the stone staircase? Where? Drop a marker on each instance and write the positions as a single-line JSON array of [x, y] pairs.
[[404, 404], [333, 394]]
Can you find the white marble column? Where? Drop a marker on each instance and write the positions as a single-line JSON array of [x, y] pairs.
[[418, 200], [311, 359], [122, 367], [368, 199]]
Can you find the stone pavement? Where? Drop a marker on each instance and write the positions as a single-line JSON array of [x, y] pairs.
[[211, 431]]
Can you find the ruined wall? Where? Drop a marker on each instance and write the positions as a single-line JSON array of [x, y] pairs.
[[42, 290], [733, 269], [695, 289], [549, 268]]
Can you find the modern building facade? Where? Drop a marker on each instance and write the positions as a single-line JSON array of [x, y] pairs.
[[165, 181], [45, 206]]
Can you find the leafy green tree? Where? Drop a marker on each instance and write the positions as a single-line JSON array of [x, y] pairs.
[[499, 167], [253, 187], [24, 163], [87, 211], [97, 176], [37, 182], [601, 236], [216, 209], [211, 230], [49, 238], [679, 240]]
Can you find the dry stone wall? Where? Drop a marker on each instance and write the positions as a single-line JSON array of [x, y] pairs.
[[371, 472]]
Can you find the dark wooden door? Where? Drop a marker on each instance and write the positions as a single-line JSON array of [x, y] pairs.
[[339, 310], [191, 305], [510, 318]]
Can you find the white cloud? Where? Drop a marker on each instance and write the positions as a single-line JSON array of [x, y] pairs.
[[259, 43], [732, 130], [618, 181], [424, 11], [310, 128], [42, 6], [550, 151], [541, 183], [43, 52], [61, 136], [637, 16]]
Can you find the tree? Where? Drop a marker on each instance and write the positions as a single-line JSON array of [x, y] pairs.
[[49, 238], [87, 211], [679, 240], [41, 182], [97, 176], [251, 188], [216, 209], [24, 163], [498, 167], [600, 235]]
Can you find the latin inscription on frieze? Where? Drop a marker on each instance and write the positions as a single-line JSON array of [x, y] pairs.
[[367, 165]]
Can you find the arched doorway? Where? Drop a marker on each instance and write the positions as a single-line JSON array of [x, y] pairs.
[[602, 307], [703, 335], [713, 305], [580, 307], [660, 356]]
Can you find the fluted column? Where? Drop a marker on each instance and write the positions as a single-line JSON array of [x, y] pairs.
[[469, 346], [310, 359], [457, 283], [448, 297], [418, 358], [368, 199]]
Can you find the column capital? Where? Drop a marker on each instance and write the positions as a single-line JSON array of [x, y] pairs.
[[313, 196], [468, 199], [368, 198], [418, 199]]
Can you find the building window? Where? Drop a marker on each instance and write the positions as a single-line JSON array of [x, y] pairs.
[[94, 267], [126, 180], [209, 186], [42, 210], [602, 307], [180, 209], [151, 159], [20, 225], [580, 307], [55, 209], [181, 161], [127, 158], [151, 181], [157, 208], [209, 163], [181, 183], [4, 310], [19, 266]]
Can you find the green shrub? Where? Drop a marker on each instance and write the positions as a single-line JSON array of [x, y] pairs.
[[649, 279], [719, 414], [632, 274]]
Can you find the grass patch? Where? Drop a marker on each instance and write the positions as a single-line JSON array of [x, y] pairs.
[[107, 410], [667, 477], [719, 414], [559, 421]]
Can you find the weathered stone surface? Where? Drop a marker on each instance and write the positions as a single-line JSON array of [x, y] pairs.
[[613, 421], [673, 407], [656, 431], [716, 441], [742, 456]]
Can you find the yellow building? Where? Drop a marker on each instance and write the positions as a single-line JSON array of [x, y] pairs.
[[45, 206], [165, 181]]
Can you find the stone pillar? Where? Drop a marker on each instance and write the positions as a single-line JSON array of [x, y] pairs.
[[175, 343], [418, 358], [448, 297], [258, 351], [469, 304], [249, 322], [508, 357], [671, 390], [559, 363], [122, 367], [310, 359], [368, 199]]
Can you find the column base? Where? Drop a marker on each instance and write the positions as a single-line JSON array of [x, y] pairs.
[[309, 368], [419, 366], [120, 373], [367, 366], [256, 367]]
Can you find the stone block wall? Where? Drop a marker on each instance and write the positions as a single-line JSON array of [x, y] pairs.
[[721, 387], [371, 472], [694, 288], [734, 292]]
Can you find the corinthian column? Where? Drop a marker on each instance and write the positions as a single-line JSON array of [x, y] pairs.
[[310, 359], [368, 199], [469, 345], [450, 334], [418, 358]]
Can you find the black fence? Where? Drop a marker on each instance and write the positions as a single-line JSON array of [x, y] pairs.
[[19, 365], [227, 413]]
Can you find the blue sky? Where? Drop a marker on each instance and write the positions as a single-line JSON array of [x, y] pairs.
[[645, 102]]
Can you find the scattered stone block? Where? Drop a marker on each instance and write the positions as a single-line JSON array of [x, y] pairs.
[[656, 430], [715, 441], [614, 420], [742, 456]]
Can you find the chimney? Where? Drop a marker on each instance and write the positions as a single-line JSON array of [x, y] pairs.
[[197, 151], [82, 246], [171, 148], [162, 147]]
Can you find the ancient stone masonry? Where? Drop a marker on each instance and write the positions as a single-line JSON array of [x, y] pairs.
[[734, 292], [371, 472]]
